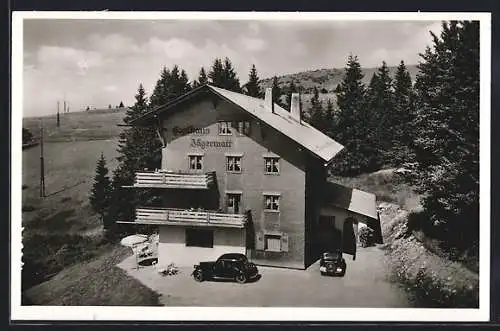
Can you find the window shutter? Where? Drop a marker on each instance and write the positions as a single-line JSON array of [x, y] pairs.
[[284, 242], [259, 242]]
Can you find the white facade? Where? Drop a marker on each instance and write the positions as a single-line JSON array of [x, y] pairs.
[[172, 246]]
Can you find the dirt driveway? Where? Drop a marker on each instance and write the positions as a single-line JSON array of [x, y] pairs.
[[364, 285]]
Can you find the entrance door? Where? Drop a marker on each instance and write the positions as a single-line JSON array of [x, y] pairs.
[[233, 203], [329, 235]]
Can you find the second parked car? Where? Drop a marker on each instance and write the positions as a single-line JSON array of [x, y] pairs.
[[332, 264], [232, 266]]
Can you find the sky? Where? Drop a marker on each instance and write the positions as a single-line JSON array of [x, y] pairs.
[[100, 62]]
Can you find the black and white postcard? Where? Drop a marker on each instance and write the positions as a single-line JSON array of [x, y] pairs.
[[250, 166]]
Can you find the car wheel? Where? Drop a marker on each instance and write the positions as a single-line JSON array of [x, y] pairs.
[[241, 278], [198, 276]]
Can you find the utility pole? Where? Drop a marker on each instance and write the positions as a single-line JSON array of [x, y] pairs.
[[58, 114], [42, 168]]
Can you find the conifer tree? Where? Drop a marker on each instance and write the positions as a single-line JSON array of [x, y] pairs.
[[316, 112], [291, 89], [380, 109], [121, 104], [330, 119], [202, 78], [171, 84], [253, 88], [276, 92], [447, 132], [216, 74], [231, 81], [353, 121], [100, 195], [139, 149], [223, 75], [403, 133]]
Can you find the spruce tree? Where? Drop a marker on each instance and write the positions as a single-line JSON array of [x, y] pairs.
[[291, 89], [353, 121], [202, 78], [216, 73], [330, 119], [316, 112], [100, 195], [403, 133], [222, 75], [139, 149], [171, 84], [447, 132], [380, 109], [253, 88], [231, 81], [276, 92], [121, 104]]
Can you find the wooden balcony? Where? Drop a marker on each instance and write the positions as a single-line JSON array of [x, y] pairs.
[[170, 179], [171, 216]]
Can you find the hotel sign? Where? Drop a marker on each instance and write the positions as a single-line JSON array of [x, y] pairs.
[[199, 142]]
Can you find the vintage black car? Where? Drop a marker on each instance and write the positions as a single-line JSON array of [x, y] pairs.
[[232, 266], [332, 264]]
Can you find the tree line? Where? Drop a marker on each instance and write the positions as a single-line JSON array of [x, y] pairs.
[[429, 125]]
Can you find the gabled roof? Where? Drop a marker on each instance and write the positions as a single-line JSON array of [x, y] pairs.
[[351, 199], [281, 120]]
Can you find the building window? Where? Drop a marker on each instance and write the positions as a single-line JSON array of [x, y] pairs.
[[225, 128], [233, 203], [233, 163], [272, 165], [272, 243], [272, 202], [195, 162], [200, 238], [243, 127]]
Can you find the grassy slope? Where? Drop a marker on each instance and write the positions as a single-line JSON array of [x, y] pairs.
[[95, 283], [71, 152], [431, 279], [77, 126], [69, 172]]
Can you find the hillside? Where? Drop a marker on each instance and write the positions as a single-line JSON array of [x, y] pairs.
[[326, 79], [77, 126]]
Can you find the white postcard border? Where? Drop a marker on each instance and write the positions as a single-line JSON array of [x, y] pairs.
[[68, 313]]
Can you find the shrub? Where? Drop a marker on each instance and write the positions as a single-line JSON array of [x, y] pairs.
[[366, 236]]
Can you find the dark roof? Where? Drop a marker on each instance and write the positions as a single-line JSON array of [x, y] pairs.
[[233, 256], [351, 199], [281, 120]]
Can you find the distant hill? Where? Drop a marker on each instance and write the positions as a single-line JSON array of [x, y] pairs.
[[326, 79]]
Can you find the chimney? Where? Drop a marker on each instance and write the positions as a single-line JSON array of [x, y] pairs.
[[268, 100], [295, 106]]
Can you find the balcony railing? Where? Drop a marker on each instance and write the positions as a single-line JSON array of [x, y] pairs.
[[188, 217], [165, 179]]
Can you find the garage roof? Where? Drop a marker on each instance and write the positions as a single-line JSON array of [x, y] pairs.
[[351, 199]]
